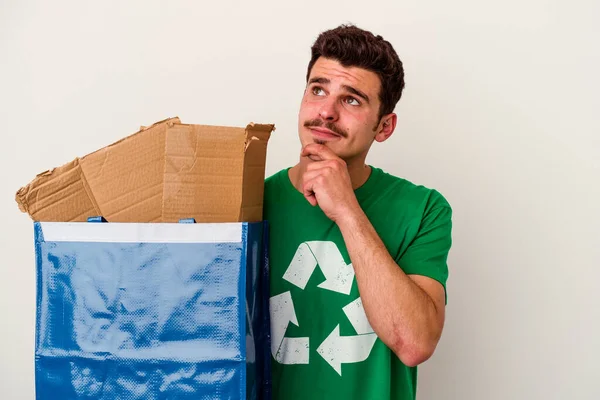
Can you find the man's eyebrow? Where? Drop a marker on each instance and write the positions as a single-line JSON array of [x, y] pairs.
[[356, 92], [317, 79]]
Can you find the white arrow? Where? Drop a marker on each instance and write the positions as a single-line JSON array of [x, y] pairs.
[[286, 350], [293, 351], [338, 350], [302, 266], [357, 317], [338, 275]]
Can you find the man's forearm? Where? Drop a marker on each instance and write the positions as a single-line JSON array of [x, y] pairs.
[[402, 314]]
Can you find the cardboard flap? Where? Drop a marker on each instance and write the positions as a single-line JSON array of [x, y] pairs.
[[254, 171], [126, 178], [261, 131], [162, 173], [60, 194], [203, 173]]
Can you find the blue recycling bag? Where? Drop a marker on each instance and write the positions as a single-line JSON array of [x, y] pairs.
[[152, 311]]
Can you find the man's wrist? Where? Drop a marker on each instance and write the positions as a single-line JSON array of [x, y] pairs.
[[351, 219]]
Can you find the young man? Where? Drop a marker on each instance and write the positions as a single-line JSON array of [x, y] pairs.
[[358, 256]]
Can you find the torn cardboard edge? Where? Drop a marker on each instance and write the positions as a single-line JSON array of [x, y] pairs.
[[165, 172]]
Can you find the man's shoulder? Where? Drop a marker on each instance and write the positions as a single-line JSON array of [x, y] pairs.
[[410, 193], [276, 187], [275, 177], [274, 181]]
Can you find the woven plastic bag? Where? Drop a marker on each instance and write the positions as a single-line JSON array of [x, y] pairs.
[[152, 311]]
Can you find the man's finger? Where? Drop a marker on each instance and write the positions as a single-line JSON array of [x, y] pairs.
[[307, 191], [309, 180], [318, 166], [315, 150], [309, 175]]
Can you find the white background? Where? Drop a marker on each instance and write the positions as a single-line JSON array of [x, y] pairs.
[[500, 114]]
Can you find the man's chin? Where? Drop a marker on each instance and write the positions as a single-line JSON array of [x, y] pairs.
[[329, 143], [311, 140]]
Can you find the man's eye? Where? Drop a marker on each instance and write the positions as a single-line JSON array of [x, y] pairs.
[[352, 101], [317, 91]]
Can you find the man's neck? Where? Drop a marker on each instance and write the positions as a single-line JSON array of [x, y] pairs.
[[359, 173]]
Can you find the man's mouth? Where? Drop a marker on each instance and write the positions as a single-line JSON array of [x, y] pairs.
[[324, 131]]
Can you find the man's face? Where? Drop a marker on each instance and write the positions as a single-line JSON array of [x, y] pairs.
[[340, 109]]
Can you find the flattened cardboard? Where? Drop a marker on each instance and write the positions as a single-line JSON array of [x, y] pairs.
[[162, 173]]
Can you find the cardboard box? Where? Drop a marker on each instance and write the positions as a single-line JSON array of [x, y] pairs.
[[163, 173]]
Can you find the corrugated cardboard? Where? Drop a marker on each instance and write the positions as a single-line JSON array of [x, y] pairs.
[[162, 173]]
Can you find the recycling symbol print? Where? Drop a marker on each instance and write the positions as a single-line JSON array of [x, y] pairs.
[[339, 276]]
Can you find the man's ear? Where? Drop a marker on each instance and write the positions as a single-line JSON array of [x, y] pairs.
[[386, 127]]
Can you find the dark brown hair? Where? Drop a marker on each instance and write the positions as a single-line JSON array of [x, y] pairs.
[[355, 47]]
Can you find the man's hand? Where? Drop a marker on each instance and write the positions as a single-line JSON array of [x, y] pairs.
[[327, 182]]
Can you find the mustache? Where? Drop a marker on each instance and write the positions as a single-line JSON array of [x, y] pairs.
[[329, 125]]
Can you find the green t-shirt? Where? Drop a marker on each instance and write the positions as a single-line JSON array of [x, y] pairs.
[[322, 344]]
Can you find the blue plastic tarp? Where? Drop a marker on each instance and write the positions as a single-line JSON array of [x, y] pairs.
[[152, 311]]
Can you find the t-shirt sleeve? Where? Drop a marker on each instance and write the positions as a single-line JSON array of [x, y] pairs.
[[428, 252]]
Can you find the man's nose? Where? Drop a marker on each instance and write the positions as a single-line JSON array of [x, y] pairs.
[[328, 111]]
